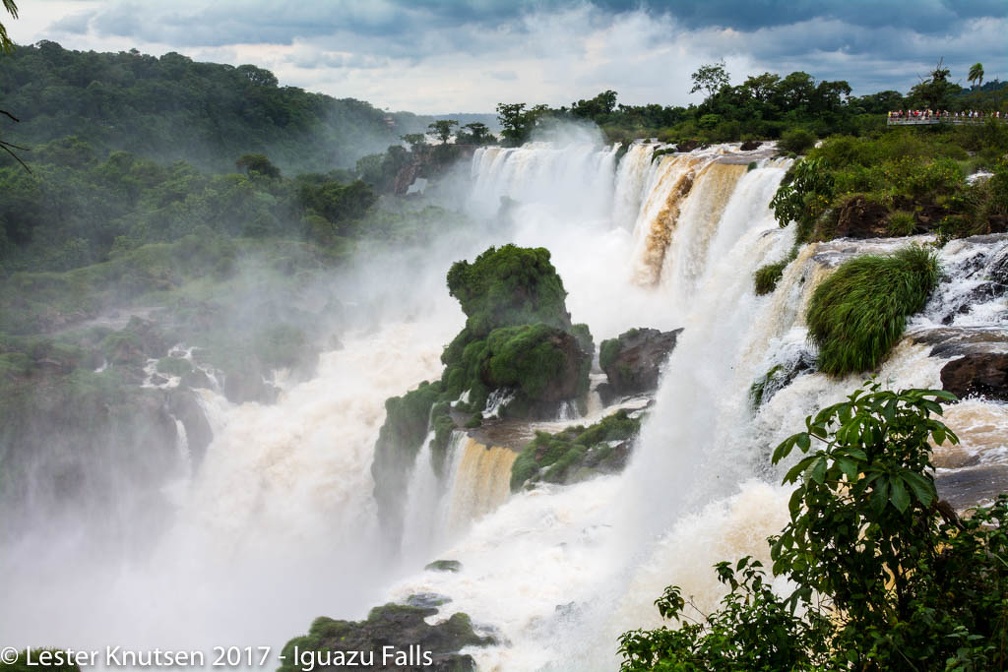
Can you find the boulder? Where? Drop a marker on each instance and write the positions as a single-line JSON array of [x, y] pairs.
[[634, 360], [396, 629], [979, 373]]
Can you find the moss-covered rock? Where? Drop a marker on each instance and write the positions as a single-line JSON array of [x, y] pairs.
[[394, 637], [444, 566], [858, 313], [577, 453], [518, 338], [509, 286], [407, 419]]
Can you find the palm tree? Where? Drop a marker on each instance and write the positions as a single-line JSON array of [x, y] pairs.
[[5, 42], [976, 74]]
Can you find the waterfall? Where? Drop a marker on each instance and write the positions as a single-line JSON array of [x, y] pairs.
[[480, 482], [560, 572], [278, 525]]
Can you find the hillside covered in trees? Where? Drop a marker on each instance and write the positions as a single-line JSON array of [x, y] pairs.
[[172, 108]]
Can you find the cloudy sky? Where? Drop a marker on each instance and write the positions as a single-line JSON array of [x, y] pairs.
[[441, 56]]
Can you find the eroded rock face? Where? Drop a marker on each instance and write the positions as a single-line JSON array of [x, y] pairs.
[[978, 373], [633, 361], [860, 218]]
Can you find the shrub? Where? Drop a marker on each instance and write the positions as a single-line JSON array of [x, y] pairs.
[[902, 223], [882, 575], [796, 141], [859, 312], [766, 277], [554, 455], [509, 286]]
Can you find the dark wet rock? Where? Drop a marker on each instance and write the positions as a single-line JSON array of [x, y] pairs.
[[861, 218], [750, 145], [184, 405], [977, 374], [244, 386], [633, 361], [780, 376], [427, 600]]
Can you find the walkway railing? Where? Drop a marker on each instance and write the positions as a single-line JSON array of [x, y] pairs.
[[929, 121]]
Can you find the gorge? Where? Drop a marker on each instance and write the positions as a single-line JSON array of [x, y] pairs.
[[278, 523]]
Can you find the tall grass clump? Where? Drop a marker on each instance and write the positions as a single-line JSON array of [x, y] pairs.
[[857, 314]]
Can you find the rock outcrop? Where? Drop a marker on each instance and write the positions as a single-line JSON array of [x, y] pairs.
[[634, 360], [977, 374], [394, 637]]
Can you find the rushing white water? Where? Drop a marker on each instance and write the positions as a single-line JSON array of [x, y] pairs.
[[278, 524]]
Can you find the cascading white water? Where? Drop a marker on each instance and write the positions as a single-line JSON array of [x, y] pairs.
[[278, 524], [560, 572]]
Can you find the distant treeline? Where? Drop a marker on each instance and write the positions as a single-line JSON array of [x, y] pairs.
[[764, 106], [172, 108]]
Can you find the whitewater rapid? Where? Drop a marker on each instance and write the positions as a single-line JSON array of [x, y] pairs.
[[278, 524]]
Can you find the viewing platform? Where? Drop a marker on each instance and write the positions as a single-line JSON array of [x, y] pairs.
[[931, 121]]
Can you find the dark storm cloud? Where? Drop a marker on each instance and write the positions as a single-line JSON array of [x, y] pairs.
[[411, 54]]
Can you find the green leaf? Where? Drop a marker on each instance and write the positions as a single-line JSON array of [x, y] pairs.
[[804, 442], [818, 472], [898, 495], [849, 467], [923, 488]]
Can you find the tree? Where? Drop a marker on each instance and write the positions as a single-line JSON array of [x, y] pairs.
[[761, 87], [602, 104], [475, 133], [257, 163], [6, 45], [415, 140], [885, 575], [976, 75], [935, 92], [442, 129], [710, 77], [513, 118]]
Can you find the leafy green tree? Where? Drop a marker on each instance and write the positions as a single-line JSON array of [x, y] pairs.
[[442, 129], [795, 92], [475, 133], [761, 87], [710, 77], [936, 92], [882, 575], [600, 106], [257, 164], [6, 45], [415, 140], [804, 195]]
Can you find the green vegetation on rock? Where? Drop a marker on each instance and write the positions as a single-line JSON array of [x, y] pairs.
[[901, 182], [859, 312], [766, 277], [509, 286], [46, 660], [402, 625], [518, 337], [576, 452]]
